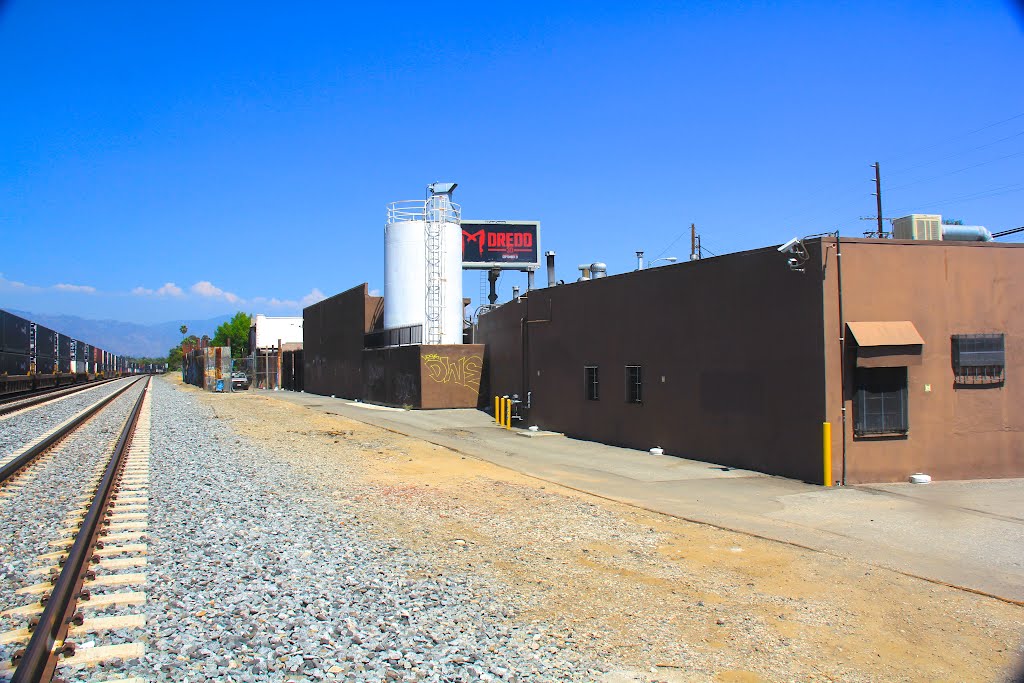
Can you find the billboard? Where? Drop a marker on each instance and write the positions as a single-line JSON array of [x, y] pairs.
[[500, 244]]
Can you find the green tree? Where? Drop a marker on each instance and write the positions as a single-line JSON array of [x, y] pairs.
[[174, 355], [235, 333]]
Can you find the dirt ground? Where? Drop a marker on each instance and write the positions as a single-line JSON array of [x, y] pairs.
[[667, 599]]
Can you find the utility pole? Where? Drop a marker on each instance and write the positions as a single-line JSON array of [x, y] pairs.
[[878, 197]]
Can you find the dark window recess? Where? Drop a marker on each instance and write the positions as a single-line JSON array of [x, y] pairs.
[[590, 385], [880, 406], [979, 358], [634, 384]]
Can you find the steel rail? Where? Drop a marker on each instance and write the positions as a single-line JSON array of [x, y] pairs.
[[35, 398], [32, 393], [11, 468], [39, 660]]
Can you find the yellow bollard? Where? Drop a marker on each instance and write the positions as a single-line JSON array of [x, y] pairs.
[[826, 450], [508, 413], [497, 410]]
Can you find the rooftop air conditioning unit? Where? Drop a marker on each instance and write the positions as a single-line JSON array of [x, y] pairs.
[[918, 226]]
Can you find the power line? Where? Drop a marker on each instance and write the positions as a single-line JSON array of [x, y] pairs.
[[956, 154], [965, 168], [670, 245], [815, 192], [959, 137], [973, 196]]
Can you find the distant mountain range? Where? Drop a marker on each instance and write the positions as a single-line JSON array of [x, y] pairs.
[[125, 339]]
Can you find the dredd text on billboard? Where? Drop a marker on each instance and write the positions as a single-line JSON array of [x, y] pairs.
[[500, 244]]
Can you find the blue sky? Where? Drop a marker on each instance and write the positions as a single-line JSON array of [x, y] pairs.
[[162, 164]]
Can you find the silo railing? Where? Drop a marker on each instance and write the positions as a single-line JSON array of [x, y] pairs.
[[417, 209]]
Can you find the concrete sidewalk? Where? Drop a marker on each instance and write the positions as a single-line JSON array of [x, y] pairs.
[[968, 534]]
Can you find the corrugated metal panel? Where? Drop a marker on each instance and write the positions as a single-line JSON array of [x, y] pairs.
[[46, 341], [14, 363], [17, 336]]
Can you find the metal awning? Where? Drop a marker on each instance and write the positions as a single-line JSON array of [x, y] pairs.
[[888, 333]]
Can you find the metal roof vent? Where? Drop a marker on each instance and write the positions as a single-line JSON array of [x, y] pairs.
[[598, 269]]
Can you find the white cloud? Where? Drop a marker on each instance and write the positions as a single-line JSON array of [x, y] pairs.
[[314, 296], [374, 292], [14, 284], [81, 289], [168, 289], [208, 289]]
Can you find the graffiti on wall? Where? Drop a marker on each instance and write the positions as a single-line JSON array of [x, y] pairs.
[[464, 371]]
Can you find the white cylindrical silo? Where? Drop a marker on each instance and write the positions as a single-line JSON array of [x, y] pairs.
[[453, 310], [409, 268], [404, 273]]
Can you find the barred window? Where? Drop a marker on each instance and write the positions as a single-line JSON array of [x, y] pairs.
[[634, 384], [590, 382], [978, 358], [880, 404]]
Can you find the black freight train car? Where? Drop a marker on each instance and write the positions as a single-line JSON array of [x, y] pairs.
[[44, 346], [15, 344]]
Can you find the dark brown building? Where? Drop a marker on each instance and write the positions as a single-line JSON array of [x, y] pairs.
[[739, 360], [332, 334], [395, 371]]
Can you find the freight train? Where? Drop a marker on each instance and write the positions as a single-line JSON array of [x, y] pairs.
[[32, 356]]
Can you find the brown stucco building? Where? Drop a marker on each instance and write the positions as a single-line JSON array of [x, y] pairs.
[[338, 363], [739, 359]]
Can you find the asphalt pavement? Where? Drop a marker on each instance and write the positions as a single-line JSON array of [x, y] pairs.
[[968, 534]]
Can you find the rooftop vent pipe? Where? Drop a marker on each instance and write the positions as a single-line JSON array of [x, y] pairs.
[[965, 233], [551, 268], [584, 272], [598, 269]]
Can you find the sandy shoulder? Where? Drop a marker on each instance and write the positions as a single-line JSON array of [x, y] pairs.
[[671, 600]]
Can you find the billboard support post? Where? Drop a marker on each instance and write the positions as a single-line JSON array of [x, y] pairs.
[[492, 280]]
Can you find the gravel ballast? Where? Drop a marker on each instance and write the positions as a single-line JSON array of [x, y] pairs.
[[18, 428], [257, 573]]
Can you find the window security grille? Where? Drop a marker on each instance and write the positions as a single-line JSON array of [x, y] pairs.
[[979, 358], [880, 404], [394, 336], [634, 384], [590, 382]]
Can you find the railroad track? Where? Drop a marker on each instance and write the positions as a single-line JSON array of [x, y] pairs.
[[101, 537], [11, 404]]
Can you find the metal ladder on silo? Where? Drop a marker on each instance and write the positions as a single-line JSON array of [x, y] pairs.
[[436, 215]]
